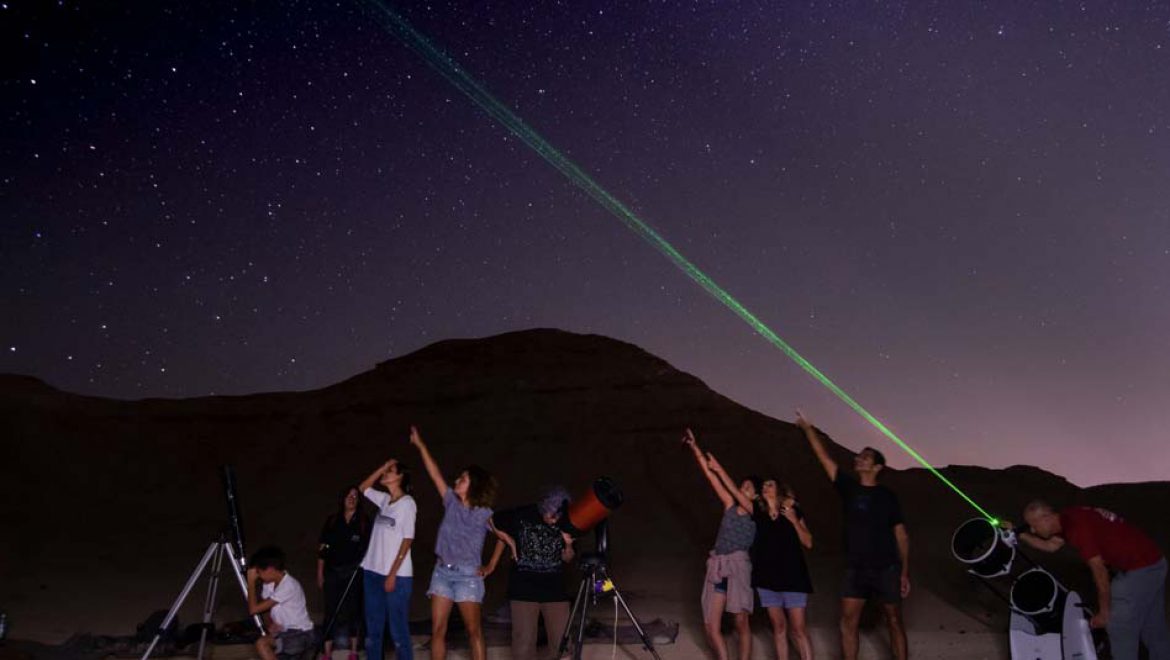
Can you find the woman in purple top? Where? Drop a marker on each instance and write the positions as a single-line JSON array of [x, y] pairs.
[[458, 576]]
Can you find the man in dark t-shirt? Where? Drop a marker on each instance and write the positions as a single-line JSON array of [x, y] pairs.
[[1130, 606], [536, 585], [877, 546]]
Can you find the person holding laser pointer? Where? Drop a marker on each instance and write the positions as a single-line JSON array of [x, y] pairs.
[[877, 546], [1131, 604]]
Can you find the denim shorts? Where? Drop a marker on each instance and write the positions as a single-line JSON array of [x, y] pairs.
[[789, 600], [462, 584]]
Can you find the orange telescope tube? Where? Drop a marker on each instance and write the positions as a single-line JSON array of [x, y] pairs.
[[594, 505]]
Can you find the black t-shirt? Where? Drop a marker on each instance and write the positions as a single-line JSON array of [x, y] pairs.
[[777, 556], [871, 512], [538, 576], [343, 544]]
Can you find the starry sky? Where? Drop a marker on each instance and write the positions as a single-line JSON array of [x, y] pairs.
[[956, 210]]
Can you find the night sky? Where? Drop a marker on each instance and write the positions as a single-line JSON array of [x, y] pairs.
[[958, 211]]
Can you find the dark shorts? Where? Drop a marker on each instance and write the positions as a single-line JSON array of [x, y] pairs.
[[293, 642], [884, 584]]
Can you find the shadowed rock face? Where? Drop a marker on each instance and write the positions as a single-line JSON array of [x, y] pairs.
[[130, 490]]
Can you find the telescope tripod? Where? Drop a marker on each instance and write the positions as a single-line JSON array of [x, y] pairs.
[[214, 555], [327, 634], [596, 580]]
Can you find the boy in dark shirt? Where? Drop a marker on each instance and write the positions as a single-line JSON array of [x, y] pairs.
[[877, 546]]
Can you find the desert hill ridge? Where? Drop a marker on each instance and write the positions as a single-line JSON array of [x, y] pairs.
[[122, 496]]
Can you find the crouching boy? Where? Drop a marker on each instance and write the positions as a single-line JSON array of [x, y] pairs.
[[281, 603]]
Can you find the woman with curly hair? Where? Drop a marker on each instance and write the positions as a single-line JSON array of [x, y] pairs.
[[458, 576]]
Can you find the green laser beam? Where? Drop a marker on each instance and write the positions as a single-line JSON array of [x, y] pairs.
[[459, 78]]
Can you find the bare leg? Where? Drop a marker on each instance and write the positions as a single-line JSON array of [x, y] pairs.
[[711, 625], [743, 627], [266, 648], [779, 632], [440, 614], [897, 629], [798, 633], [850, 618], [472, 621]]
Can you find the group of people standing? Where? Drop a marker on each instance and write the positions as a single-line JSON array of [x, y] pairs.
[[381, 549], [759, 553], [762, 538]]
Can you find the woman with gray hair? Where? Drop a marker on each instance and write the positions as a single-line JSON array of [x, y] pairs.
[[536, 585]]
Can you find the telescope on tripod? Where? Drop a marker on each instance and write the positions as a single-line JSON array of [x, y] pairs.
[[229, 544], [589, 512], [1048, 621]]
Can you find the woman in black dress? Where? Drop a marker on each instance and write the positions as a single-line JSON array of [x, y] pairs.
[[779, 572]]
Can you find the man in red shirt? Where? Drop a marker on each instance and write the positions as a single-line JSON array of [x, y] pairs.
[[1131, 606]]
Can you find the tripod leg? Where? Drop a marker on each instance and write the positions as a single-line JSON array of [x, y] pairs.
[[328, 632], [209, 604], [182, 596], [586, 593], [238, 569], [637, 625], [578, 604]]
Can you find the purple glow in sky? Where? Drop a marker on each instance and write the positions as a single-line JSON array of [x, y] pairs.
[[956, 211]]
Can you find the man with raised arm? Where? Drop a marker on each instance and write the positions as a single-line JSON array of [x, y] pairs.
[[877, 547], [1132, 605]]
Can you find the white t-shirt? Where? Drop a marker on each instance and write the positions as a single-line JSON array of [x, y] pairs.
[[393, 524], [290, 611]]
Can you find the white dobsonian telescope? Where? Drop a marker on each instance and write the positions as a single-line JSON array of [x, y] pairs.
[[1048, 621]]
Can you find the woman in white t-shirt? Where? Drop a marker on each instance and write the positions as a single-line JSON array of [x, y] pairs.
[[387, 568]]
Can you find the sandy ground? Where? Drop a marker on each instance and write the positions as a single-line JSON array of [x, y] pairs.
[[936, 630], [933, 645]]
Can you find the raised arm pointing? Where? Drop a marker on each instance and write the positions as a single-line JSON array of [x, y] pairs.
[[433, 470], [818, 446], [716, 485], [728, 484]]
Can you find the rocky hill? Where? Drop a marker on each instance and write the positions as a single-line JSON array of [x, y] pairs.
[[118, 499]]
